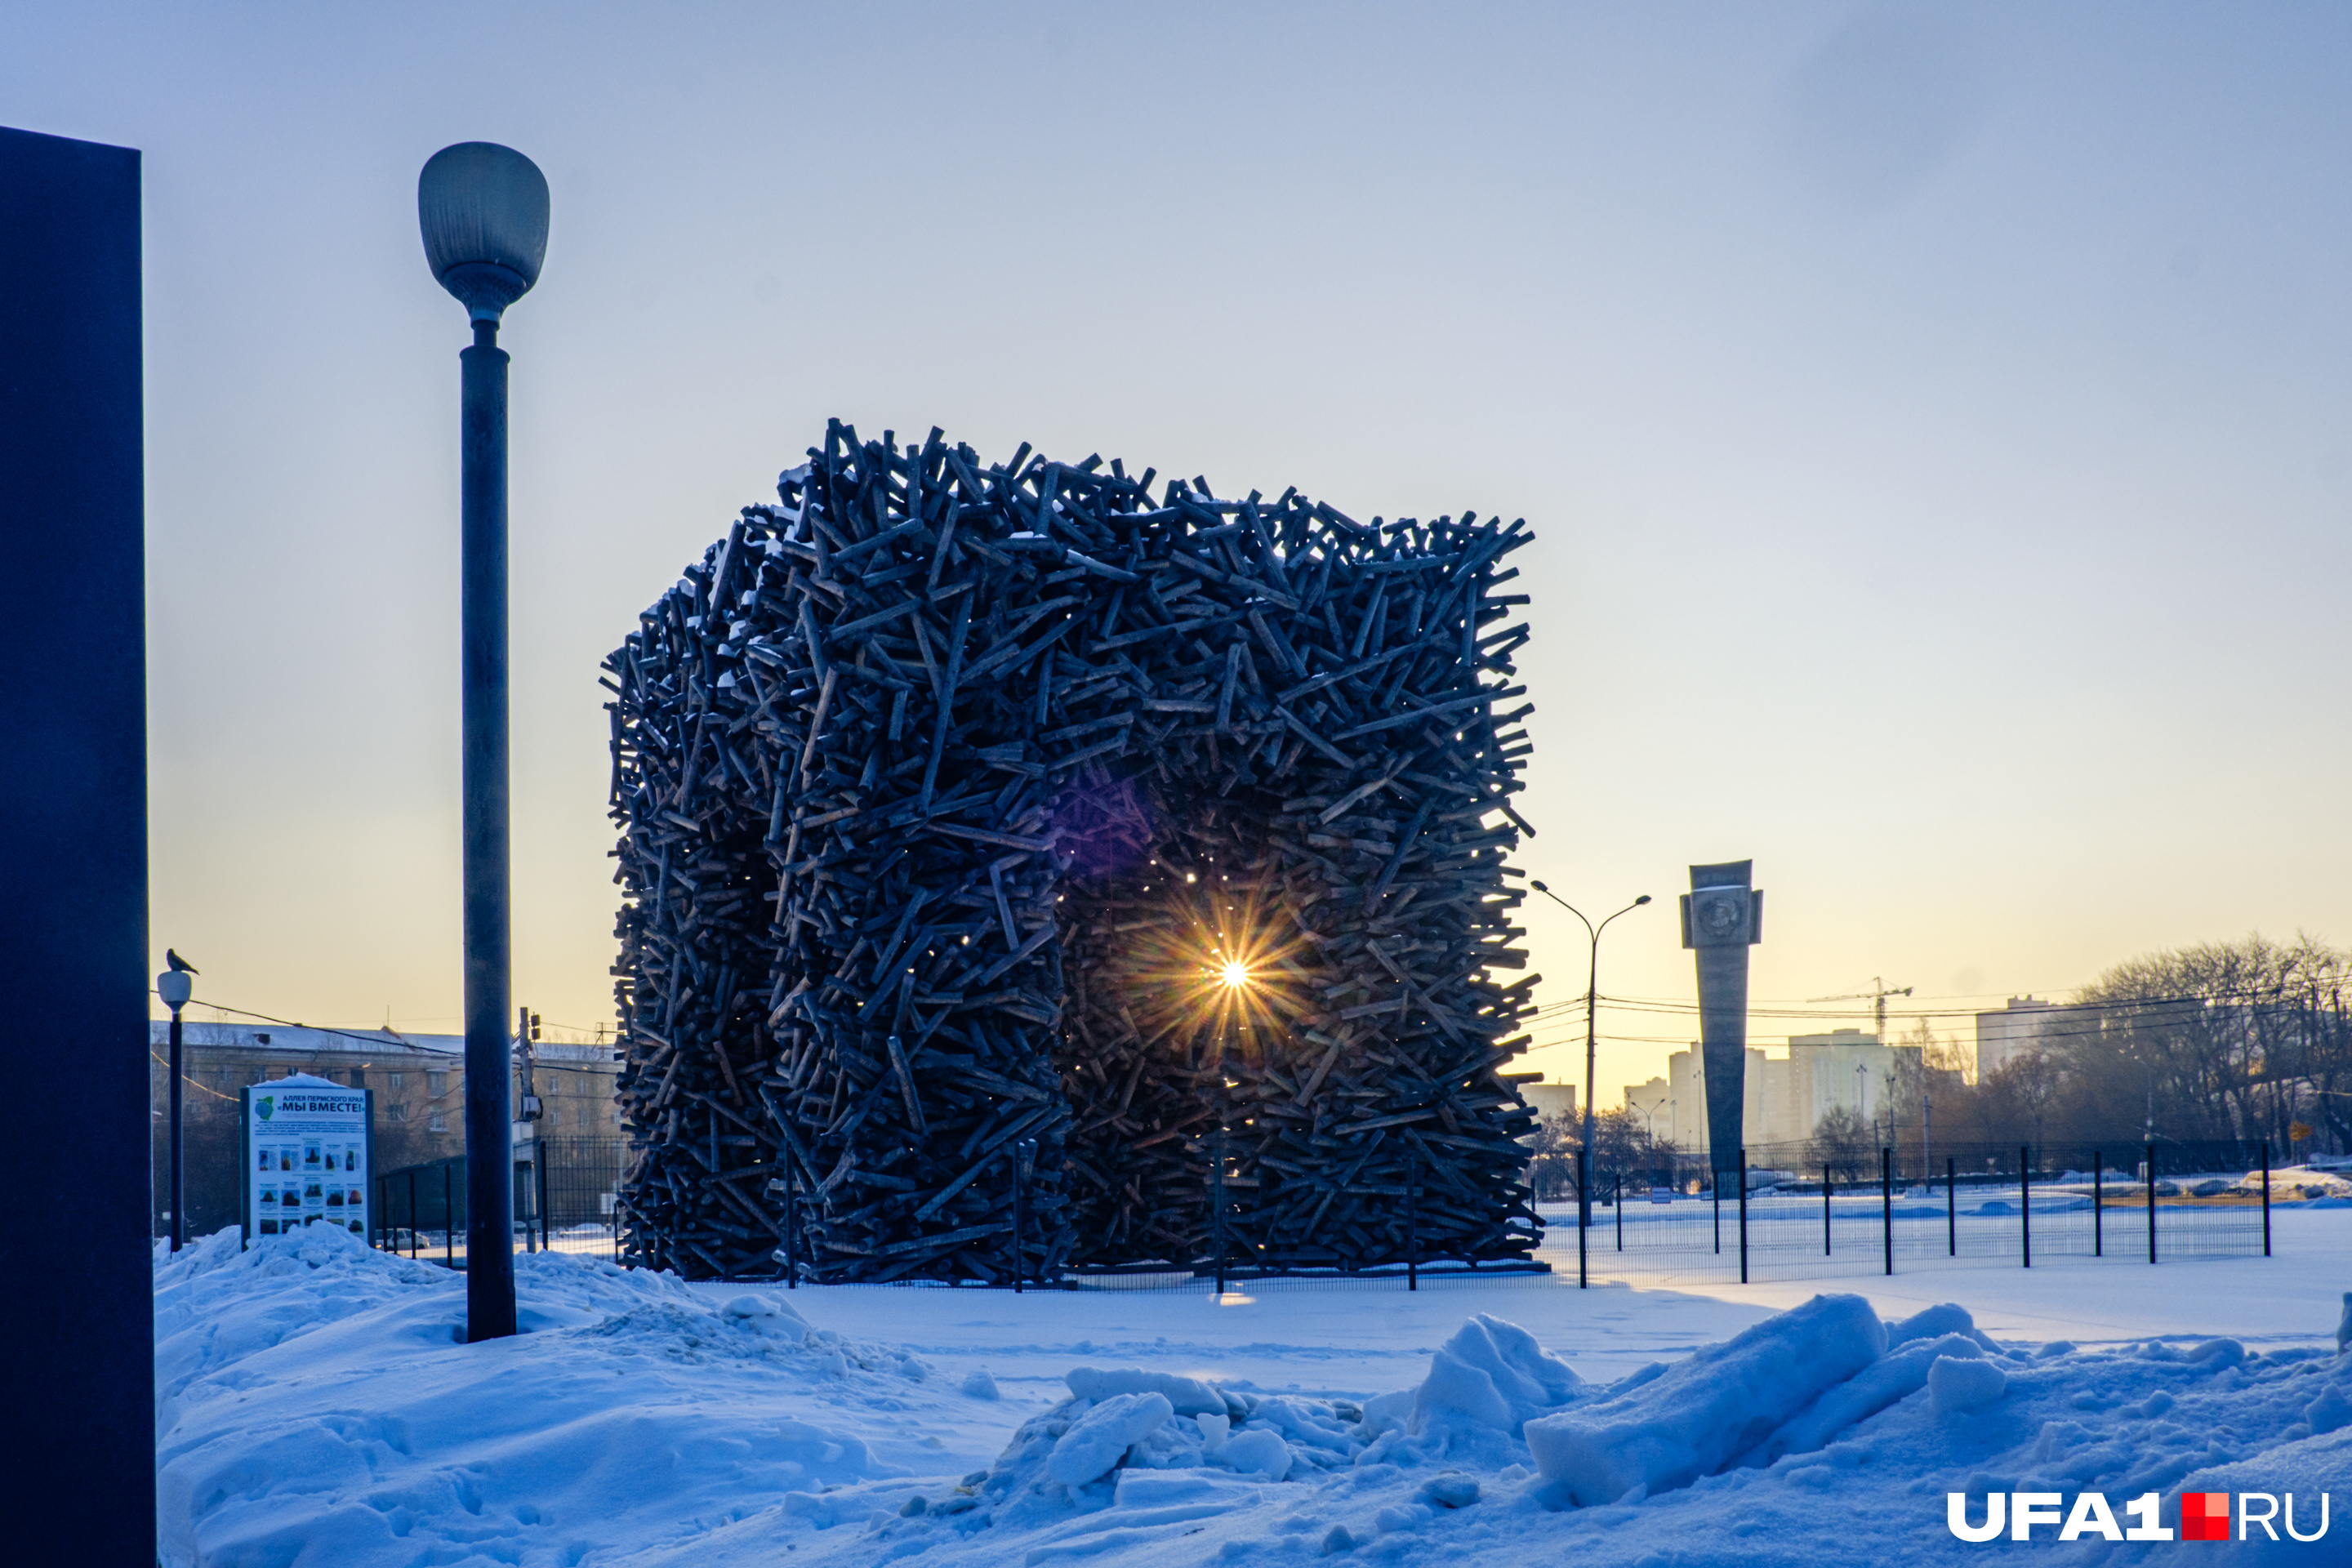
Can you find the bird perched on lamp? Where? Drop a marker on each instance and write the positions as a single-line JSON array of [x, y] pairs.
[[179, 965]]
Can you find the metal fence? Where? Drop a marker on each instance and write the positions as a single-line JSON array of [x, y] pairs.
[[1984, 1206], [564, 1201], [1875, 1212]]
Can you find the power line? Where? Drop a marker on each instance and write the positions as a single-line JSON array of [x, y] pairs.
[[188, 1078], [383, 1039]]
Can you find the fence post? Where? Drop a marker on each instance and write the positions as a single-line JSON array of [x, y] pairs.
[[1715, 1192], [2025, 1201], [1217, 1204], [544, 1244], [1886, 1200], [1743, 1216], [1952, 1205], [1618, 1188], [412, 1212], [448, 1222], [1825, 1210], [1018, 1194], [2098, 1214], [1413, 1221], [792, 1225], [2151, 1202], [1581, 1206], [2266, 1198]]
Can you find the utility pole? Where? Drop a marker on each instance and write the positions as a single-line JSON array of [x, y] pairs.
[[1927, 1115]]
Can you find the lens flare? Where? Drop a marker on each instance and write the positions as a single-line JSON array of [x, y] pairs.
[[1234, 974]]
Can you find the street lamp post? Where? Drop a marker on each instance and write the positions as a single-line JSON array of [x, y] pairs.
[[175, 987], [1592, 998], [483, 209], [1591, 993]]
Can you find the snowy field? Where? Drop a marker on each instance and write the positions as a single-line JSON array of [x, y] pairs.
[[314, 1409]]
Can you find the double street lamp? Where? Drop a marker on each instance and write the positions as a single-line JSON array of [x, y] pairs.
[[1591, 992], [483, 209], [1592, 1001]]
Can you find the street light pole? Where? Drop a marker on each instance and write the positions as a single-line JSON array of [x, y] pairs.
[[483, 209], [1591, 994], [175, 987]]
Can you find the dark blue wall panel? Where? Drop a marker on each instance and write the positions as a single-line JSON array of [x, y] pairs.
[[77, 1335]]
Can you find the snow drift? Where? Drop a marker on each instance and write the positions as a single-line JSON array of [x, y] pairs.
[[1694, 1418]]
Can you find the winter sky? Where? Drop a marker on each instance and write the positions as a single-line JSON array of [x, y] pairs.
[[1934, 419]]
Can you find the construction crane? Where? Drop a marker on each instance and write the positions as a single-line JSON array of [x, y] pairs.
[[1876, 996]]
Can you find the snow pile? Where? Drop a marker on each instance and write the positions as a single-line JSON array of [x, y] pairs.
[[1823, 1427], [1491, 1374], [1079, 1452], [2297, 1185], [315, 1403], [1693, 1419], [1185, 1396], [1483, 1385]]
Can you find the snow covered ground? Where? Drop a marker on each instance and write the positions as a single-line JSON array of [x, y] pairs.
[[314, 1407]]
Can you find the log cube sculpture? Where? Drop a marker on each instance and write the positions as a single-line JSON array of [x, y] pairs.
[[1014, 824]]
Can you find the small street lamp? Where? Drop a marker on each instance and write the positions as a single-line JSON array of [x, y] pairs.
[[175, 987], [483, 209]]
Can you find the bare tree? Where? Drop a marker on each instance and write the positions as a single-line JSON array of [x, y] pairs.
[[2220, 1040], [1623, 1149], [1552, 1170], [1843, 1143], [2018, 1094]]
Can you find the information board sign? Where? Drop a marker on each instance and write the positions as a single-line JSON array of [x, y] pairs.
[[308, 1156]]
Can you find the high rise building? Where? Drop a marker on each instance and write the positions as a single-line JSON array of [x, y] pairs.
[[2026, 1023], [1787, 1095]]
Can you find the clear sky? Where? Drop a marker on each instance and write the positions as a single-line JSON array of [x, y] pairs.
[[1934, 419]]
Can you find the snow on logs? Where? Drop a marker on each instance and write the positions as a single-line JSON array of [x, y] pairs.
[[968, 807]]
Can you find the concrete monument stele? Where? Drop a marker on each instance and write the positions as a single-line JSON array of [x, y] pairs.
[[1723, 917]]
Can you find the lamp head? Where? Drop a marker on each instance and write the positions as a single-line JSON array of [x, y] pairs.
[[1640, 901], [483, 209], [175, 987]]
